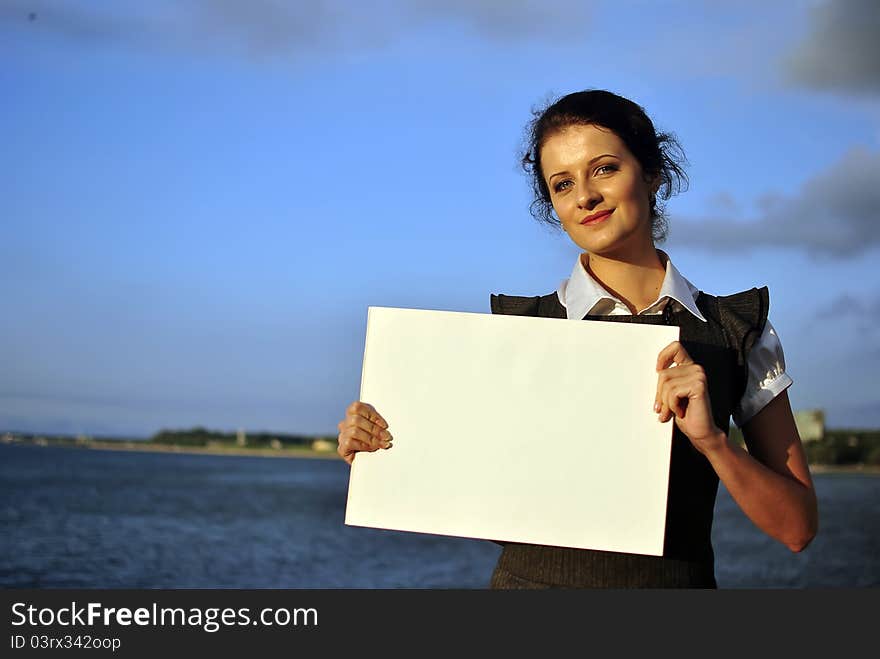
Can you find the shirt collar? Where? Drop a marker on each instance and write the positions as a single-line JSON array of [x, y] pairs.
[[580, 294]]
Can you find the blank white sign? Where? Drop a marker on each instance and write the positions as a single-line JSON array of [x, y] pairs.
[[535, 430]]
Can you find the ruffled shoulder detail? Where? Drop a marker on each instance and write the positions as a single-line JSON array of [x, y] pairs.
[[742, 316]]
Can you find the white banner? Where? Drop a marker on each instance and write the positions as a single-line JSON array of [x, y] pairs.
[[535, 430]]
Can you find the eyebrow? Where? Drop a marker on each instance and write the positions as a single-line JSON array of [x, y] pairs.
[[592, 160]]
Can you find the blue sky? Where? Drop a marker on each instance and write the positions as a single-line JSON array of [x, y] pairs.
[[201, 199]]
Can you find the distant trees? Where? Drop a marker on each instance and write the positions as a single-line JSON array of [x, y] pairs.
[[836, 446], [200, 436], [845, 447]]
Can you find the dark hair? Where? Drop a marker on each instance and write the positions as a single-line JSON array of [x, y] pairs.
[[657, 153]]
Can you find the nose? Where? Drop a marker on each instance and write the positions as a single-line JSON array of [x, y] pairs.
[[588, 197]]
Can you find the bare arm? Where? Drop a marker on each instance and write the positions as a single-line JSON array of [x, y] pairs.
[[771, 482]]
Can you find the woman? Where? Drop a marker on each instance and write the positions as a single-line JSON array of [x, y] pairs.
[[597, 167]]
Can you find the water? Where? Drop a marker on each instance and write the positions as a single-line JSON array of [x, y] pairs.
[[74, 518]]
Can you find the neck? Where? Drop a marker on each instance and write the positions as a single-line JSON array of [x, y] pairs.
[[635, 281]]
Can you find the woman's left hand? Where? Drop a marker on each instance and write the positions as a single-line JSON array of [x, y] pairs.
[[683, 394]]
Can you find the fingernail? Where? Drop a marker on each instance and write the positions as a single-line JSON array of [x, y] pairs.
[[385, 444], [386, 435], [657, 406]]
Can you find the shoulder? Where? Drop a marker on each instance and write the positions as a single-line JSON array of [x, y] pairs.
[[517, 305]]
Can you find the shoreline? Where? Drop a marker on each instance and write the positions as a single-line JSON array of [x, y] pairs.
[[873, 470], [216, 450], [312, 454], [139, 447]]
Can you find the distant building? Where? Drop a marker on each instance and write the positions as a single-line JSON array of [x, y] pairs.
[[323, 445], [810, 424], [240, 438]]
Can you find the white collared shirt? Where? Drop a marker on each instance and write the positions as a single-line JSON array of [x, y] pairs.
[[581, 294]]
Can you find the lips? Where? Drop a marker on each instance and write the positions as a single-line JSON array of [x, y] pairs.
[[596, 218]]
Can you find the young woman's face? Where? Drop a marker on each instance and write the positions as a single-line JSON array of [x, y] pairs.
[[597, 189]]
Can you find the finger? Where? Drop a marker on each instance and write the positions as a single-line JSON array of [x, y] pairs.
[[658, 393], [372, 430], [664, 380], [674, 372], [677, 397], [665, 411], [658, 396], [673, 353], [367, 411], [662, 412], [674, 388], [351, 444], [668, 404], [681, 405], [353, 447], [368, 438]]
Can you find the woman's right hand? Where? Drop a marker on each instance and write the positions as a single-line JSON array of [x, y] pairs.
[[362, 429]]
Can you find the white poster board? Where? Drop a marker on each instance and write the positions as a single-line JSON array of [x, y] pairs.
[[535, 430]]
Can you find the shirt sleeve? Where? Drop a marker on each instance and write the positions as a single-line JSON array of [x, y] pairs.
[[767, 377]]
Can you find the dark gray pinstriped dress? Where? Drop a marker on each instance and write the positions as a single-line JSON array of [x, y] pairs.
[[721, 346]]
